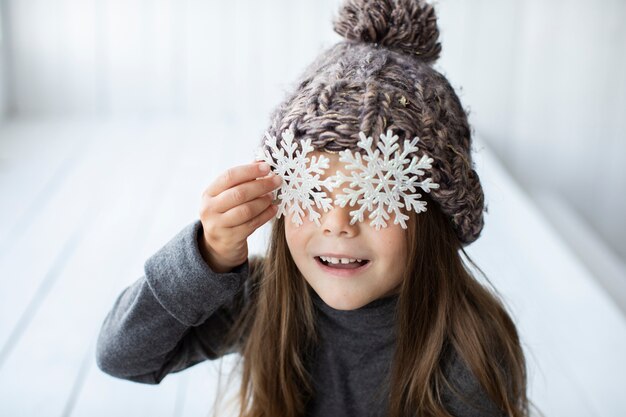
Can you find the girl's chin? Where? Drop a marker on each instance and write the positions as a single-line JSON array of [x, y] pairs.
[[341, 303]]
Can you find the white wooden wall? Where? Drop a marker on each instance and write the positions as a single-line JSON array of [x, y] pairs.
[[158, 57], [543, 79], [3, 64]]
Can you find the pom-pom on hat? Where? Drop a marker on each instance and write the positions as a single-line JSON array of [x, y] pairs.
[[380, 77]]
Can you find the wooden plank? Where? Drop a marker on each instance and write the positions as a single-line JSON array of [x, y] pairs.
[[598, 257], [206, 68], [33, 91], [5, 91], [202, 389], [31, 171], [48, 232], [78, 58], [612, 203], [104, 395], [57, 338]]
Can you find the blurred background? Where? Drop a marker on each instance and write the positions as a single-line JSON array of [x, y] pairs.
[[115, 115]]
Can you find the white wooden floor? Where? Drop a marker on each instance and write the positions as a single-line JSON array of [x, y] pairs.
[[84, 204]]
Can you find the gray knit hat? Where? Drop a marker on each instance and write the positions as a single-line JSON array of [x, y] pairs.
[[381, 77]]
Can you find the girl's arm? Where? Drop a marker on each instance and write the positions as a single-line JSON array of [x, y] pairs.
[[174, 316]]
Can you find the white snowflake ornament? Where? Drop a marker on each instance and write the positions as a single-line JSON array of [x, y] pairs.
[[384, 181], [300, 179]]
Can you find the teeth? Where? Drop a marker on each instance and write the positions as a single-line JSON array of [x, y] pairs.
[[338, 260]]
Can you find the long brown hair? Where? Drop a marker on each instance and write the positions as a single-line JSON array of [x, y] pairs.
[[442, 310]]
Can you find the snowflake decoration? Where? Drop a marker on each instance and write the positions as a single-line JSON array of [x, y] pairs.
[[300, 180], [384, 182]]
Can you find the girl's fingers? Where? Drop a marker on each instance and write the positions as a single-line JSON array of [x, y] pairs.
[[234, 176], [243, 193], [245, 212], [251, 225]]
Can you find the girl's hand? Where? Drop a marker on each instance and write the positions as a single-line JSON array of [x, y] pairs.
[[232, 208]]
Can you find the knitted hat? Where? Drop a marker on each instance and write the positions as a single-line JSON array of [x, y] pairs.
[[381, 77]]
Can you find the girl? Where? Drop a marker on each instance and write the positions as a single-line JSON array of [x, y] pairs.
[[362, 305]]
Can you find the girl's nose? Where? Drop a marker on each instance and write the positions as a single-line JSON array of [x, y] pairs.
[[336, 222]]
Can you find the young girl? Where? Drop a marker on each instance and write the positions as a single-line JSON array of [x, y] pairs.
[[362, 305]]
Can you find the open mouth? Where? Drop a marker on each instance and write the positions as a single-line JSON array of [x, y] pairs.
[[340, 265]]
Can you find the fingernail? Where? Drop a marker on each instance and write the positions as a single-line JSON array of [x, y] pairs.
[[264, 167]]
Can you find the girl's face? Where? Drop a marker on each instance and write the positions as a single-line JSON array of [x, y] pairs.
[[384, 248]]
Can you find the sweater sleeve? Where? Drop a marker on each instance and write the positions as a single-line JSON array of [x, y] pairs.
[[172, 317]]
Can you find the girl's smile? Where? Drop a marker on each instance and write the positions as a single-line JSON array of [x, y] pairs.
[[342, 269]]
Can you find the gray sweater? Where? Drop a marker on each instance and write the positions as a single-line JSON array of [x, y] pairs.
[[175, 315]]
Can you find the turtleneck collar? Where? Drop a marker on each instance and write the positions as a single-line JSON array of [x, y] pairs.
[[376, 315]]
